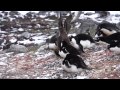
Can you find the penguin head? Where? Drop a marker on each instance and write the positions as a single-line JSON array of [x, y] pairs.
[[99, 33], [97, 39]]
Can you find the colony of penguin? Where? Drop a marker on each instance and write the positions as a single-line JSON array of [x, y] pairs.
[[71, 53]]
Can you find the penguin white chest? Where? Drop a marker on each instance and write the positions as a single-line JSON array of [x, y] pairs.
[[74, 43], [52, 46], [72, 68], [62, 54], [115, 49], [86, 43]]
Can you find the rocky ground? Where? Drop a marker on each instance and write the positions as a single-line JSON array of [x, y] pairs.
[[44, 64], [41, 63]]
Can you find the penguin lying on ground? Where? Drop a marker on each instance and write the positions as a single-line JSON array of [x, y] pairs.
[[106, 29], [73, 63], [113, 38], [82, 40], [114, 47]]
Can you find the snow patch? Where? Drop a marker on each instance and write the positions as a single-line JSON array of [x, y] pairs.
[[2, 63], [81, 77]]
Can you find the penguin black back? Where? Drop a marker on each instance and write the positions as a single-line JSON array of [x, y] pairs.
[[106, 29], [75, 43], [84, 37], [116, 44], [72, 59], [111, 38], [107, 25], [69, 48]]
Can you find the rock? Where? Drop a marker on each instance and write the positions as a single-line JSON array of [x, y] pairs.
[[26, 35], [88, 24], [118, 25], [17, 49]]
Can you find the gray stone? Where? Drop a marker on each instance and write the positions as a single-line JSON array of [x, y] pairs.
[[17, 49], [88, 24], [26, 35]]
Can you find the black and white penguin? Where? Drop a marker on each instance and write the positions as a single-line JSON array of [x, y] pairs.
[[68, 49], [114, 47], [52, 43], [105, 29], [73, 63], [75, 44], [113, 38], [82, 40]]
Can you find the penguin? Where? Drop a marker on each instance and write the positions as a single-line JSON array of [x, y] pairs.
[[106, 29], [75, 44], [114, 47], [68, 49], [104, 32], [73, 63], [52, 43], [113, 38], [82, 40]]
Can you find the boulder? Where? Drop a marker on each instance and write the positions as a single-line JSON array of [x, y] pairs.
[[17, 49], [88, 24], [26, 35]]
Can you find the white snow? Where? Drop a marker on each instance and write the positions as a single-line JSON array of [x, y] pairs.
[[3, 31], [81, 77], [54, 28], [21, 54], [13, 40], [111, 18], [25, 12], [25, 42], [20, 29], [114, 12], [37, 40], [3, 58], [89, 12], [2, 63], [49, 20], [52, 13], [42, 16], [73, 34]]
